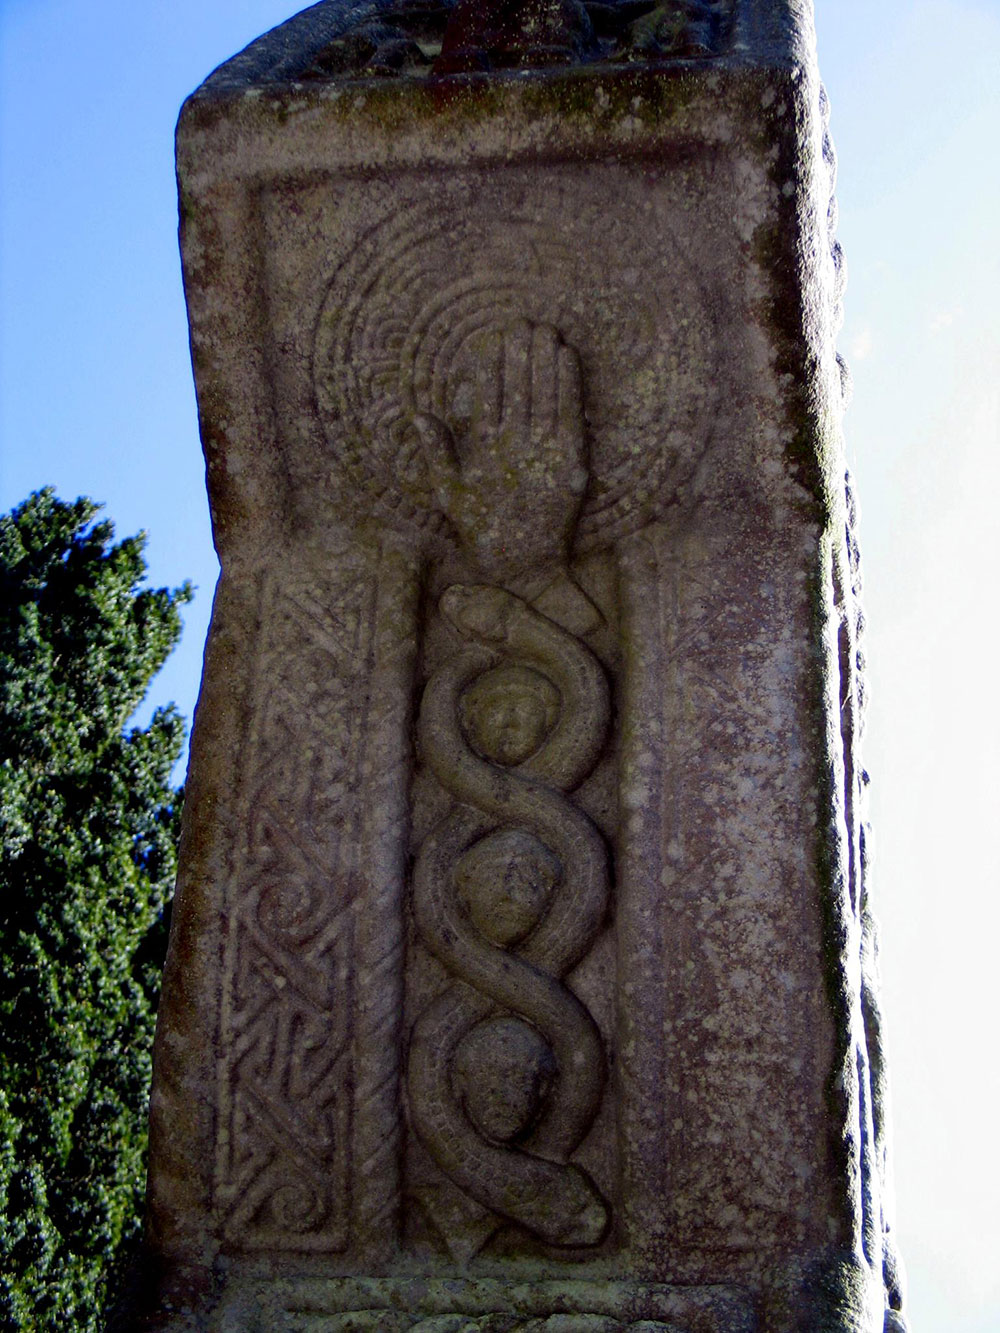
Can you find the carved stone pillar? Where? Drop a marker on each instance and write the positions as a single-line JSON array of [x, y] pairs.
[[520, 974]]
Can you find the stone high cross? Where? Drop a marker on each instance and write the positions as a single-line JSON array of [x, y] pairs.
[[522, 972]]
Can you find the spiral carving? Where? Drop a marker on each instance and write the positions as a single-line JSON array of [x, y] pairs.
[[506, 1067]]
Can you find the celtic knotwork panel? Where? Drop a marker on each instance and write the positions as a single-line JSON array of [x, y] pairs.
[[282, 1160], [506, 1065], [403, 320]]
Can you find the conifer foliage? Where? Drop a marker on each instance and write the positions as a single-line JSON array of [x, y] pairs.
[[88, 831]]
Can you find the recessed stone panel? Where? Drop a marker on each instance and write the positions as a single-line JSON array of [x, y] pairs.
[[520, 975]]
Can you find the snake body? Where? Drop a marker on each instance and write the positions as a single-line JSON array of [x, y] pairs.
[[532, 1182]]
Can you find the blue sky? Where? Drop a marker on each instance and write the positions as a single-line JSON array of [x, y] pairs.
[[96, 398]]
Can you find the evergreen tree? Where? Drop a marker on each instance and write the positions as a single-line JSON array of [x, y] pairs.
[[88, 831]]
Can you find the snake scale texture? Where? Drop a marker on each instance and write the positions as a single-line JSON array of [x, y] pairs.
[[530, 1180]]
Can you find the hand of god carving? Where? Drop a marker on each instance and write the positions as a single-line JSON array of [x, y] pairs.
[[511, 470]]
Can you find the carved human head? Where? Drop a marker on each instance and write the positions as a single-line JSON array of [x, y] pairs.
[[508, 711]]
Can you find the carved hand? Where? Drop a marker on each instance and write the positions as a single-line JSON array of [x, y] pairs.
[[513, 480]]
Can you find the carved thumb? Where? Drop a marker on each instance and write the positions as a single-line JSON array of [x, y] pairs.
[[439, 452]]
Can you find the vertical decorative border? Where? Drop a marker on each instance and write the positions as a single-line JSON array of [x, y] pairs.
[[643, 991], [283, 1152], [874, 1148], [379, 930]]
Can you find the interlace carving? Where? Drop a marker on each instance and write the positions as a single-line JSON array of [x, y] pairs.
[[506, 1067], [282, 1164], [439, 37]]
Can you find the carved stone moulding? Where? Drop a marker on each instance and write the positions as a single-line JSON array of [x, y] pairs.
[[387, 1306], [516, 975]]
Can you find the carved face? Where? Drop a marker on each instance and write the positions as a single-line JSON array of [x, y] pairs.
[[505, 883], [508, 712], [503, 1071]]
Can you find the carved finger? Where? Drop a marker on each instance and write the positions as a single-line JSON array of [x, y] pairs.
[[545, 345], [488, 409], [570, 428], [438, 448], [516, 415]]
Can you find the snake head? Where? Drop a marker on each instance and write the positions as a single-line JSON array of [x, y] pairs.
[[579, 1215], [478, 610]]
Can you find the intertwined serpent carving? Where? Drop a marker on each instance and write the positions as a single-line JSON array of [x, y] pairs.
[[506, 1067]]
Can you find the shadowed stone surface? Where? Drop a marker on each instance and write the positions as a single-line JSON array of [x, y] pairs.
[[522, 973]]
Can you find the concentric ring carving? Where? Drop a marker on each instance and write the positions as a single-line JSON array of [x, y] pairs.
[[398, 326]]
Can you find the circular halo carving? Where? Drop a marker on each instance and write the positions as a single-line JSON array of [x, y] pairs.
[[401, 323]]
